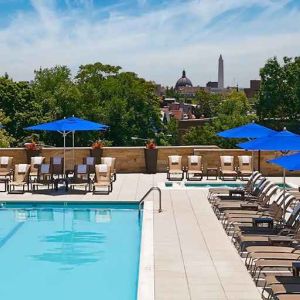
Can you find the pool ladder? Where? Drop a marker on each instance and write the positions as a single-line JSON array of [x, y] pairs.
[[154, 188]]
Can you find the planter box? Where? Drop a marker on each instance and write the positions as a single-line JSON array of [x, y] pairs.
[[31, 153], [151, 160], [97, 153]]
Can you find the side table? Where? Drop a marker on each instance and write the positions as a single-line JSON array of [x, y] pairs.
[[212, 172]]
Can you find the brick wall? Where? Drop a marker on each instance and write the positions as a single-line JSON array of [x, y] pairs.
[[131, 159]]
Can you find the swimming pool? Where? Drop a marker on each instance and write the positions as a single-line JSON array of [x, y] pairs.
[[69, 252]]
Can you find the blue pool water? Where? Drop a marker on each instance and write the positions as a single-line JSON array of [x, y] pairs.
[[73, 252]]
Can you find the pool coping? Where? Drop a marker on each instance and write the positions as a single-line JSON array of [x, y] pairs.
[[146, 266]]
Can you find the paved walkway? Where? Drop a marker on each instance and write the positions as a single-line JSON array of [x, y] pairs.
[[194, 259]]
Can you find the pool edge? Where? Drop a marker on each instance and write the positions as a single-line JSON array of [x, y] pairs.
[[146, 266]]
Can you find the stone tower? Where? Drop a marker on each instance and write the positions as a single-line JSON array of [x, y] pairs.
[[221, 73]]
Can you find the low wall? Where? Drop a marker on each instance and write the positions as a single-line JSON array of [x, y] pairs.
[[131, 159]]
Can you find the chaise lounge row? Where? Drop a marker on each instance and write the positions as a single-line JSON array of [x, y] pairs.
[[264, 224], [194, 168], [88, 175]]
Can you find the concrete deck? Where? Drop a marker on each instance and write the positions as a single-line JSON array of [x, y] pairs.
[[194, 258]]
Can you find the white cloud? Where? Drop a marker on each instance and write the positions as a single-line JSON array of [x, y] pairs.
[[156, 44]]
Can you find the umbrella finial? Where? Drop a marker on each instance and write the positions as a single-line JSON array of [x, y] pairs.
[[284, 128]]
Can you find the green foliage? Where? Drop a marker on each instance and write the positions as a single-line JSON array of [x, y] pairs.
[[279, 95], [5, 138], [101, 93], [231, 112], [207, 104]]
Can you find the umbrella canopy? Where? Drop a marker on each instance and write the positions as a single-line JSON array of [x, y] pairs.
[[288, 162], [69, 125], [283, 141], [248, 131]]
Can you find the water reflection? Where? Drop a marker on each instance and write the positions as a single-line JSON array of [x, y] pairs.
[[102, 215], [72, 248]]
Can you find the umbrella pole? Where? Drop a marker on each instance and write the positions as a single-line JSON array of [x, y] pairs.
[[64, 134], [284, 190], [258, 160], [73, 133]]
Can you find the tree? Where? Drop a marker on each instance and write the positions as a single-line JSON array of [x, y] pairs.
[[279, 96], [233, 111], [5, 138]]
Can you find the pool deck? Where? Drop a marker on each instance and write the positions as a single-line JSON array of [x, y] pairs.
[[193, 257]]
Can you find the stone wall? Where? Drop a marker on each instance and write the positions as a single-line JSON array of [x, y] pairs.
[[131, 159]]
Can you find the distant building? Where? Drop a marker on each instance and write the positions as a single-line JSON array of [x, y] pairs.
[[183, 82], [253, 90], [221, 73], [212, 85]]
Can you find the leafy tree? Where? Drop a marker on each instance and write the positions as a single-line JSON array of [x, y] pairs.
[[207, 104], [279, 96], [5, 138], [232, 112]]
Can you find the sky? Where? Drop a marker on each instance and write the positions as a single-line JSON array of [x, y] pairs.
[[156, 39]]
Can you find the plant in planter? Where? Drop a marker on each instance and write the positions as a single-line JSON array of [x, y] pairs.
[[32, 149], [150, 153], [97, 150]]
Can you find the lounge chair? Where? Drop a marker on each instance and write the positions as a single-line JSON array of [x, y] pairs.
[[252, 182], [6, 163], [175, 170], [194, 169], [245, 168], [90, 161], [227, 169], [57, 165], [102, 179], [81, 177], [20, 177], [111, 162], [44, 177], [36, 161]]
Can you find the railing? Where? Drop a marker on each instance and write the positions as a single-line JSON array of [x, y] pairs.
[[155, 188]]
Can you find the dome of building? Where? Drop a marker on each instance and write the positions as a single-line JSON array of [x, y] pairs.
[[183, 82]]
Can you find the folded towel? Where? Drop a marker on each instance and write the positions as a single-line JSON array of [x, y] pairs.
[[90, 160], [81, 169], [103, 168], [37, 160], [194, 159], [4, 160], [227, 159], [174, 159], [56, 160], [107, 161], [22, 168], [245, 159], [45, 168]]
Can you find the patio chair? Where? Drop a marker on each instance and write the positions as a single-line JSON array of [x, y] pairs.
[[44, 177], [174, 168], [227, 169], [90, 161], [194, 169], [245, 168], [6, 163], [36, 161], [81, 177], [57, 166], [103, 179], [111, 162], [20, 177]]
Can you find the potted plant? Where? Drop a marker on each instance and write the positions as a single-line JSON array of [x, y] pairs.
[[32, 149], [151, 152], [97, 150]]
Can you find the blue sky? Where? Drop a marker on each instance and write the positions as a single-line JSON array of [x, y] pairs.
[[155, 39]]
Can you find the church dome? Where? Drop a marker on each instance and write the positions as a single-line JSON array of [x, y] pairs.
[[183, 82]]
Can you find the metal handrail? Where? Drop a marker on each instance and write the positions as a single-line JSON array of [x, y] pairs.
[[154, 188]]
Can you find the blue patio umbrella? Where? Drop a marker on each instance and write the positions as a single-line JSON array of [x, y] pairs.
[[288, 162], [247, 131], [283, 141], [69, 125]]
